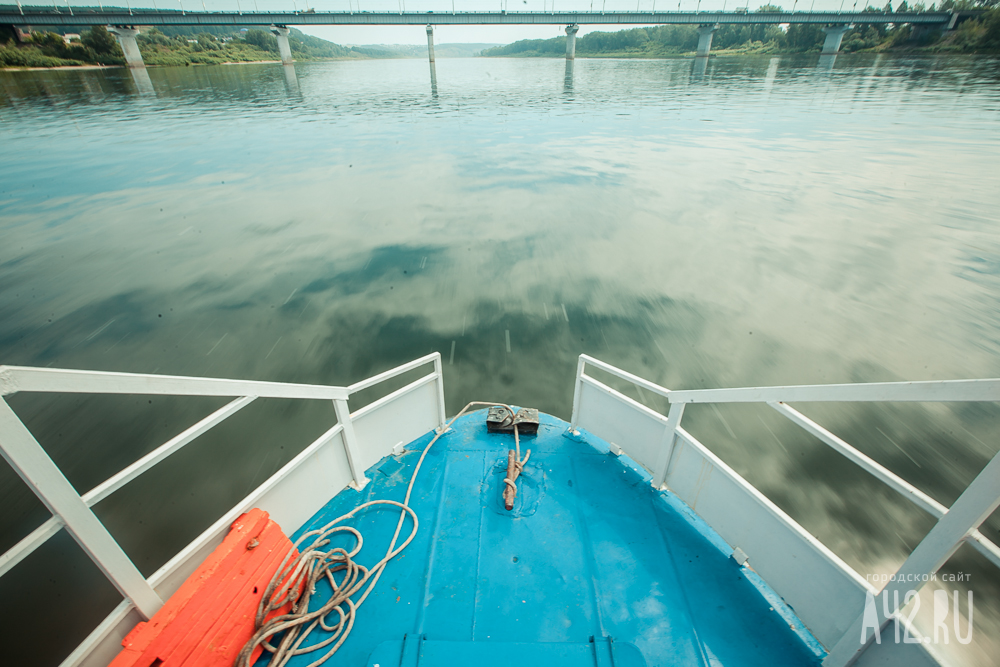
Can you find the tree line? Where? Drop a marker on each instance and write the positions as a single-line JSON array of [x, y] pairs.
[[176, 45], [48, 49], [975, 35]]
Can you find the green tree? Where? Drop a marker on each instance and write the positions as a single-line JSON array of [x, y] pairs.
[[261, 40], [100, 41], [991, 37], [802, 37], [47, 41]]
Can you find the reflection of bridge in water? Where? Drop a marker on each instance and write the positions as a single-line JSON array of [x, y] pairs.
[[834, 24]]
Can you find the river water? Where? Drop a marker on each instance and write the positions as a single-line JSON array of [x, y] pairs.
[[755, 221]]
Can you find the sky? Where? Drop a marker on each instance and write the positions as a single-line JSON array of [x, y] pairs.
[[445, 34], [506, 34], [498, 34], [464, 34]]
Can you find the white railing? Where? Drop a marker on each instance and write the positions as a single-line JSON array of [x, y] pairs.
[[786, 555], [71, 511]]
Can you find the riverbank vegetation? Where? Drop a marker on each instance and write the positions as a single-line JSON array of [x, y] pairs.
[[253, 45], [48, 49], [171, 46], [977, 35]]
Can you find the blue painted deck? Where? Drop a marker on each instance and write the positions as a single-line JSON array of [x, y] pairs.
[[590, 550]]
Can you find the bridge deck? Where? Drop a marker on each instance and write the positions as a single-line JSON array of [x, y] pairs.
[[117, 16]]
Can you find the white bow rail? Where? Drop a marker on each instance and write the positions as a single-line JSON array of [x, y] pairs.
[[825, 592], [71, 510], [830, 605]]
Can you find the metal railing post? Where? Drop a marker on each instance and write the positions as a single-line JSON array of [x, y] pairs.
[[577, 388], [20, 449], [351, 445], [667, 444], [966, 514], [438, 371]]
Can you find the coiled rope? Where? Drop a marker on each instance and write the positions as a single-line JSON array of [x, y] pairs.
[[296, 578]]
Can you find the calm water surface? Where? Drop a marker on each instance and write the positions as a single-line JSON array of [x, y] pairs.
[[759, 221]]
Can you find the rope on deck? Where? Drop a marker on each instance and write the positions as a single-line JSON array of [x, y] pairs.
[[296, 578], [515, 464]]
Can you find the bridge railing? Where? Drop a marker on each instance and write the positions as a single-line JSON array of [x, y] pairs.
[[438, 11], [826, 593]]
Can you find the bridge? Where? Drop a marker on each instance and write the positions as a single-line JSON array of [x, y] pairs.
[[122, 21]]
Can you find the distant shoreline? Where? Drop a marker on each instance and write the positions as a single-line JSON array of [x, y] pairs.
[[57, 67], [79, 67], [609, 56], [721, 53]]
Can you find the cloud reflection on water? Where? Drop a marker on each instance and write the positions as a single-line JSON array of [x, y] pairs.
[[763, 226]]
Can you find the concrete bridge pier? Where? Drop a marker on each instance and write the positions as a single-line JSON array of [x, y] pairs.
[[126, 38], [571, 31], [430, 43], [834, 36], [705, 33], [281, 32]]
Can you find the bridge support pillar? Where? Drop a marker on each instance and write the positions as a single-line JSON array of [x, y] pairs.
[[705, 33], [571, 31], [281, 32], [430, 43], [126, 38], [834, 36]]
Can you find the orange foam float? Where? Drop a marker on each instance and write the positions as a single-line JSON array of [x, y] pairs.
[[211, 616]]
